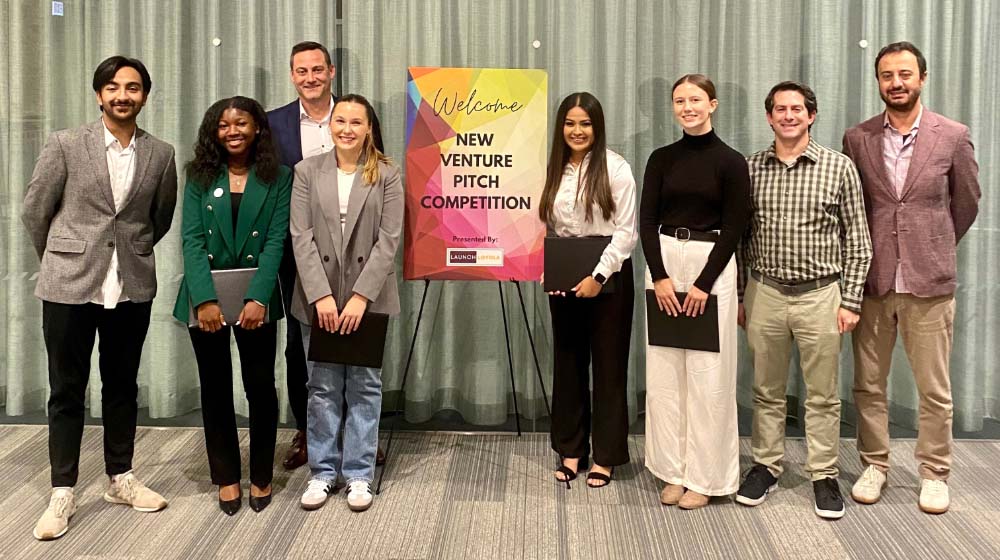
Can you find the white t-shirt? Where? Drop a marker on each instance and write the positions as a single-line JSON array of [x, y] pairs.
[[344, 182]]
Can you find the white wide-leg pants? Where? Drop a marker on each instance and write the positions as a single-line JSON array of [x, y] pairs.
[[692, 437]]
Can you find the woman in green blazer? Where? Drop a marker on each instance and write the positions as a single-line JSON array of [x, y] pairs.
[[235, 215]]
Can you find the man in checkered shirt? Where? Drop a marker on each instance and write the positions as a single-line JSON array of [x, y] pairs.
[[807, 251]]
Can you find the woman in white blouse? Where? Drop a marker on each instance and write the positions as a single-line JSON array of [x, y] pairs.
[[590, 191]]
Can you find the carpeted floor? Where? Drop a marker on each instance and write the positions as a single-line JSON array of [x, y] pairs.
[[485, 496]]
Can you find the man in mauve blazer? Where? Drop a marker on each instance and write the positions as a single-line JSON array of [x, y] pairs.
[[301, 129], [101, 196], [920, 180]]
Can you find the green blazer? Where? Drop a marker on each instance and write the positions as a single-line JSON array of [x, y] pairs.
[[209, 244]]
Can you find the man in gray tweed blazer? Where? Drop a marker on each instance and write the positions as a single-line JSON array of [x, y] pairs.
[[100, 198]]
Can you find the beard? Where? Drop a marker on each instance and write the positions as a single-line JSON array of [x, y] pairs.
[[111, 111], [904, 105]]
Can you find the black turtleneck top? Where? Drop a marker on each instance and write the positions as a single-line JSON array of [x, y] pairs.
[[699, 183]]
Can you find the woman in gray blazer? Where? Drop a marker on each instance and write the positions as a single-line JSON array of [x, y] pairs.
[[346, 218]]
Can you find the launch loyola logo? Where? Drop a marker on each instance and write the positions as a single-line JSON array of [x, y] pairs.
[[475, 257]]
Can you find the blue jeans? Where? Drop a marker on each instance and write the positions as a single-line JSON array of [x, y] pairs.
[[342, 396]]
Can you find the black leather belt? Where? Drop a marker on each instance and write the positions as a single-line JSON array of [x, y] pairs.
[[685, 234], [794, 288]]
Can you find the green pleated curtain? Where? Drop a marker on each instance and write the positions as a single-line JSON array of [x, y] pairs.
[[626, 52]]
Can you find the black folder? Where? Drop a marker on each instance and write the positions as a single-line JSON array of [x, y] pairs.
[[231, 287], [363, 347], [689, 333], [569, 259]]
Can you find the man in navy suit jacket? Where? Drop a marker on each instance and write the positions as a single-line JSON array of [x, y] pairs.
[[301, 129]]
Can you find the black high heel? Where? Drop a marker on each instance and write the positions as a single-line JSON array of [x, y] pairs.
[[258, 503], [230, 507], [601, 478], [569, 473]]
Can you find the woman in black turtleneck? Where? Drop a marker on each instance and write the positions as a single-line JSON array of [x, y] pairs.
[[694, 208]]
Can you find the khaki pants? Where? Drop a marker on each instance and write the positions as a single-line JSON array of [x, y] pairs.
[[926, 326], [774, 320]]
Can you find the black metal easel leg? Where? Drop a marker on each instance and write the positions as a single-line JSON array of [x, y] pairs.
[[510, 358], [534, 353], [402, 388], [538, 368]]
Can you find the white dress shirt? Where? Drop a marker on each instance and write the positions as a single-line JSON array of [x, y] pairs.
[[316, 138], [569, 215], [121, 169]]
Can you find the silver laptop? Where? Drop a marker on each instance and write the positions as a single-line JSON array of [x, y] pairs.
[[231, 290]]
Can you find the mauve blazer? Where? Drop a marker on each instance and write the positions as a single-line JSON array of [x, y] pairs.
[[361, 259], [939, 203]]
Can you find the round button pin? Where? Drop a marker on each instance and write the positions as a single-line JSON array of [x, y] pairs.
[[218, 192]]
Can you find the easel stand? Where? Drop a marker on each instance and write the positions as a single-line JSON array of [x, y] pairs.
[[401, 400]]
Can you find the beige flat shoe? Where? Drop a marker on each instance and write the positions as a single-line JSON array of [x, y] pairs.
[[671, 494], [692, 500]]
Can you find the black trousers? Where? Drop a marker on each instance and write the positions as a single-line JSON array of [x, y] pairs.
[[257, 350], [69, 331], [296, 375], [597, 329]]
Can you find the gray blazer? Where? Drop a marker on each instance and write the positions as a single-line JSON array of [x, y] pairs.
[[69, 212], [362, 259]]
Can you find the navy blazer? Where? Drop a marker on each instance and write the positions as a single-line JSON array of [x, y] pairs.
[[284, 123], [287, 133]]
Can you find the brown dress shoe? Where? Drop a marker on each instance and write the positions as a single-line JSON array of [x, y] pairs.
[[298, 454], [671, 494], [379, 456], [692, 500]]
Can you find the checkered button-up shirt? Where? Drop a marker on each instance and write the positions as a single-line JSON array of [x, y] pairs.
[[808, 221]]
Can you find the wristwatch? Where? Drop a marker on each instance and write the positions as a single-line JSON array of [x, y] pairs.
[[600, 278]]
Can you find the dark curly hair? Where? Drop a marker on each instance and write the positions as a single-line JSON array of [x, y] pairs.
[[210, 155]]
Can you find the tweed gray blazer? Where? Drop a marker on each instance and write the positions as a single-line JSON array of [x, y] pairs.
[[70, 215], [361, 259]]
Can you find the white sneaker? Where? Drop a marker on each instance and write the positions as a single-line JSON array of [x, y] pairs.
[[934, 496], [127, 489], [868, 488], [316, 494], [55, 521], [359, 498]]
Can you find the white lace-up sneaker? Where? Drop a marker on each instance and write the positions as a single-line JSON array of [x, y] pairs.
[[868, 488], [316, 494], [359, 498], [934, 496], [55, 521], [127, 489]]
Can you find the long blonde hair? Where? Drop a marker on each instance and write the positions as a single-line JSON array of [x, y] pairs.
[[372, 155]]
